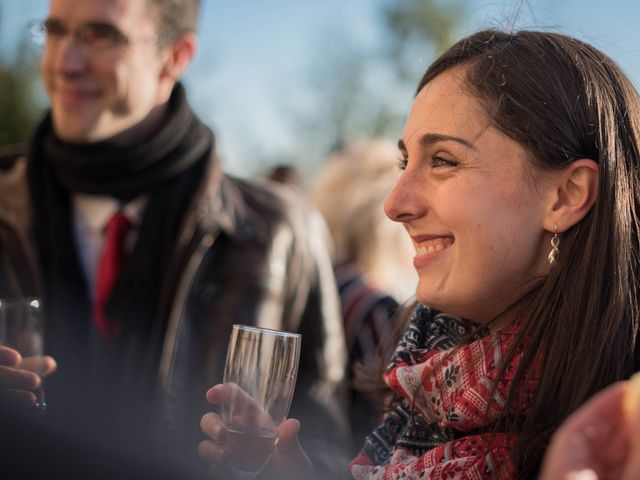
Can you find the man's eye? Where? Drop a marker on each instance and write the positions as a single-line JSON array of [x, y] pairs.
[[54, 30], [402, 163], [102, 37]]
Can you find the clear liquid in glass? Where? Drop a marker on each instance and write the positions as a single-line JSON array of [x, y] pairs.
[[250, 451], [259, 380]]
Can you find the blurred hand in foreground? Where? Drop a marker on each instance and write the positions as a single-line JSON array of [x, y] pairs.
[[288, 459], [21, 377], [601, 440]]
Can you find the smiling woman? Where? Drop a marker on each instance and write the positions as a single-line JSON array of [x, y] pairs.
[[517, 187], [474, 215], [519, 190]]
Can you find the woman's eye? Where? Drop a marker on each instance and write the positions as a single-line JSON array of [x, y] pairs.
[[402, 163], [437, 162]]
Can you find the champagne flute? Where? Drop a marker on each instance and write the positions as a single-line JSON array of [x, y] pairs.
[[22, 328], [259, 376]]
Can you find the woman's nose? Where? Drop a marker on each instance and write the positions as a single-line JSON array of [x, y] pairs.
[[405, 201]]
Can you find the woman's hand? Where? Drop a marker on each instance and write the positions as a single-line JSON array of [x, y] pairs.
[[288, 459], [20, 377], [598, 441]]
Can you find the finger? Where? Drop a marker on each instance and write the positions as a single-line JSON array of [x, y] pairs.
[[9, 357], [213, 452], [289, 460], [18, 399], [288, 435], [16, 379], [43, 366], [215, 394], [213, 427], [226, 392], [606, 406]]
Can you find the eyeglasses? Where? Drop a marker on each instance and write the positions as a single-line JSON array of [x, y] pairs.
[[91, 37]]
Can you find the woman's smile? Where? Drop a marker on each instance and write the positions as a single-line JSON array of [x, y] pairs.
[[428, 247]]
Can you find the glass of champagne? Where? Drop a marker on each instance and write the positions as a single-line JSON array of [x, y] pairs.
[[22, 328], [259, 378]]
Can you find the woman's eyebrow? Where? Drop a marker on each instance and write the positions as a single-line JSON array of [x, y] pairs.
[[430, 138]]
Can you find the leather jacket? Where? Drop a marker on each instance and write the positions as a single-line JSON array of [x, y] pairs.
[[247, 254]]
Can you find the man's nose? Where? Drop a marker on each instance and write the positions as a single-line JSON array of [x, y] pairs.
[[69, 55]]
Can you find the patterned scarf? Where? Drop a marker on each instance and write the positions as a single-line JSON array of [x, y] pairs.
[[441, 427]]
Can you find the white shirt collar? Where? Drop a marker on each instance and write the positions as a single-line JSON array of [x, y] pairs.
[[93, 211], [91, 214]]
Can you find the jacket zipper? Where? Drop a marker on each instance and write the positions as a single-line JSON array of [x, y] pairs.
[[173, 325]]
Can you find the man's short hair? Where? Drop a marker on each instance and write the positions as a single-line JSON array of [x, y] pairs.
[[175, 17]]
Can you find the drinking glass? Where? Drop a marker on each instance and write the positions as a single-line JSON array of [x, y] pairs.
[[22, 328], [260, 377]]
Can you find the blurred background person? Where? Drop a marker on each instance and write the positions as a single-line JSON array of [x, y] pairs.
[[286, 174], [371, 254]]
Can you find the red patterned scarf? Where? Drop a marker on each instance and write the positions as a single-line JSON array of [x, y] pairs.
[[445, 390]]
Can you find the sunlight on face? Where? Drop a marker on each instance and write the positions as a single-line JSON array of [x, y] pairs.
[[469, 206], [98, 95]]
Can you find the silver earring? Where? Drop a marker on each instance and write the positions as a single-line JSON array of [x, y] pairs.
[[555, 250]]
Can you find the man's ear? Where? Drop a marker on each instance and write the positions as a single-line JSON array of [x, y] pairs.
[[177, 58], [573, 193]]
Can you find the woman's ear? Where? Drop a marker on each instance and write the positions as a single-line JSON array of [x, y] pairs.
[[574, 191]]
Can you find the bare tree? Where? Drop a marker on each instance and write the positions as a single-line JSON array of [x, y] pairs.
[[365, 93], [418, 30], [18, 99]]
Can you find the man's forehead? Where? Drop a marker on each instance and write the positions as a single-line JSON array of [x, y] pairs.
[[99, 11]]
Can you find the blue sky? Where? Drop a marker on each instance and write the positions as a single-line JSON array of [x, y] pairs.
[[254, 56]]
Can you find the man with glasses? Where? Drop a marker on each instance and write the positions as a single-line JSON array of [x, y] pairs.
[[144, 252]]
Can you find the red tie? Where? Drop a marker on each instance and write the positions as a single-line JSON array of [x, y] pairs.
[[113, 257]]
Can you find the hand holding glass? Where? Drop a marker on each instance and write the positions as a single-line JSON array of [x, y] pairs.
[[260, 376], [22, 328]]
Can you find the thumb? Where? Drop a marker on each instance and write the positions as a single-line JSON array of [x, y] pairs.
[[288, 436], [289, 460]]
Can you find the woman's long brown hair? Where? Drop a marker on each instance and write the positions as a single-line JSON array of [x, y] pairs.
[[563, 100]]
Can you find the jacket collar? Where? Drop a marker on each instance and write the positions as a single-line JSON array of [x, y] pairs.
[[14, 194], [223, 206]]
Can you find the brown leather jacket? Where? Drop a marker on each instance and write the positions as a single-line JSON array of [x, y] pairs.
[[248, 254]]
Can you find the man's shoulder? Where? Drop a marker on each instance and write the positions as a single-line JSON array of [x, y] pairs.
[[14, 190], [268, 210], [268, 200], [10, 155]]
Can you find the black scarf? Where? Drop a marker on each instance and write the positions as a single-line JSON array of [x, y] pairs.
[[168, 167]]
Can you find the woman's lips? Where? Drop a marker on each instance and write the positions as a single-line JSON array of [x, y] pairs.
[[428, 248]]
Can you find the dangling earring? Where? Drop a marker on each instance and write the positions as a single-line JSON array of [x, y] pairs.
[[555, 251]]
